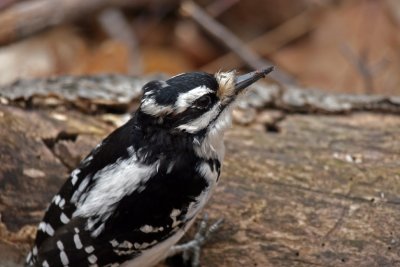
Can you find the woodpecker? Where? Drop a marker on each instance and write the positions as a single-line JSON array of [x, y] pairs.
[[134, 196]]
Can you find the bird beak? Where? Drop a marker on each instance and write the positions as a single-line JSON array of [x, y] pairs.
[[243, 81]]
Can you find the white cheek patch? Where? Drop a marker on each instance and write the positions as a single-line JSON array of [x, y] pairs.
[[201, 122], [185, 100]]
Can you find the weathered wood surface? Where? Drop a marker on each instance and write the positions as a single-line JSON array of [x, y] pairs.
[[116, 92], [322, 191]]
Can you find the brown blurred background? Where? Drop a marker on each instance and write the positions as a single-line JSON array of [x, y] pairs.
[[336, 45]]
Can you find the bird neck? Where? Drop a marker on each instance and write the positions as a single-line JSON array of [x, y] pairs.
[[158, 139], [210, 146]]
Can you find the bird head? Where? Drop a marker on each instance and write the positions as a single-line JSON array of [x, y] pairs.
[[196, 102]]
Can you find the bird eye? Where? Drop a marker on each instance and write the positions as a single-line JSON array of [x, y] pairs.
[[203, 102]]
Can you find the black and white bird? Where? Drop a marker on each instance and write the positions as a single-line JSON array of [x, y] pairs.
[[134, 196]]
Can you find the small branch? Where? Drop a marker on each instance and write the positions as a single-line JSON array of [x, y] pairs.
[[271, 41], [231, 41], [223, 34], [361, 65]]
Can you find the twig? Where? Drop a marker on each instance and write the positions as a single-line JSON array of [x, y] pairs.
[[115, 24], [231, 41], [363, 66], [271, 41]]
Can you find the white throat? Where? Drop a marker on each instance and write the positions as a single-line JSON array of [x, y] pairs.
[[212, 146]]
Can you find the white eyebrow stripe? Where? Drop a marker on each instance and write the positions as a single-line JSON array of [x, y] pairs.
[[186, 99]]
